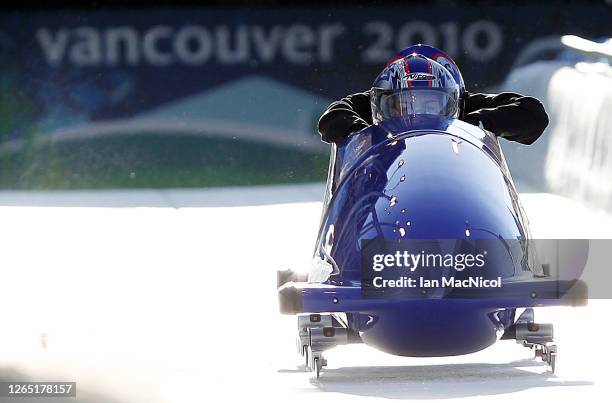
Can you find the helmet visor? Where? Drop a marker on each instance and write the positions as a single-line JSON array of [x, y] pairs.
[[389, 104]]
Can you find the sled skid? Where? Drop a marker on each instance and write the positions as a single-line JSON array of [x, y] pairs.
[[535, 336]]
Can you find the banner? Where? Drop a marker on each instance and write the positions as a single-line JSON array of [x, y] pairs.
[[208, 97]]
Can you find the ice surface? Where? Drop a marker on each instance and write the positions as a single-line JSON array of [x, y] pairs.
[[165, 304]]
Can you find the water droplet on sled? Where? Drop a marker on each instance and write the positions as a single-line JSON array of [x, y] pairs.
[[455, 147]]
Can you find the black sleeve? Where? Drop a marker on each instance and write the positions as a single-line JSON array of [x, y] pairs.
[[346, 116], [509, 115]]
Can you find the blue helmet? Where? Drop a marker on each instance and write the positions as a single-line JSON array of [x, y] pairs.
[[437, 55], [414, 85]]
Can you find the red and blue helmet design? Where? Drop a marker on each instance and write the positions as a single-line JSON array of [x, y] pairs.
[[414, 85], [437, 55]]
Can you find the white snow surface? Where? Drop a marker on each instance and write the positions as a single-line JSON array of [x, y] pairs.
[[178, 304]]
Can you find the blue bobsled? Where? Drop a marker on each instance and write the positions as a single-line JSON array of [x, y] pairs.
[[415, 179]]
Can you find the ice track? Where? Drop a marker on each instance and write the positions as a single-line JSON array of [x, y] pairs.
[[176, 302]]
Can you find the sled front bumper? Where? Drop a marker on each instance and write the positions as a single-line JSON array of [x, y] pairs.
[[302, 297]]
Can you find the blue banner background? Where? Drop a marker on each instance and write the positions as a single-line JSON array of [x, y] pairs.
[[134, 98]]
